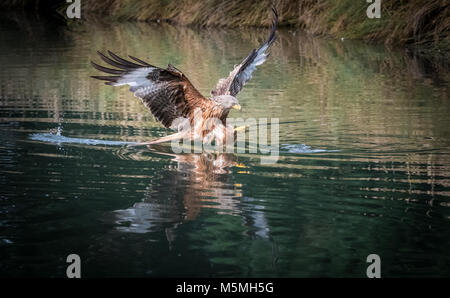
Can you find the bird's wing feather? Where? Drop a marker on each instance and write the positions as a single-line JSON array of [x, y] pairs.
[[166, 92], [243, 72]]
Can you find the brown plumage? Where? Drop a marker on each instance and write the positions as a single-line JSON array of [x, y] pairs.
[[174, 101]]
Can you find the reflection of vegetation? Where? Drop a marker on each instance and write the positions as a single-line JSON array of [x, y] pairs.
[[321, 88], [337, 80]]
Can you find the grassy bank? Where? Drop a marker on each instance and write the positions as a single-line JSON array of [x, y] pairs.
[[425, 23]]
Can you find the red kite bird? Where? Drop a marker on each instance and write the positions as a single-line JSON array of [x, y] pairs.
[[175, 102]]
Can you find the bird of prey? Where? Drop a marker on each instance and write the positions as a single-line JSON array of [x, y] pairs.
[[175, 102]]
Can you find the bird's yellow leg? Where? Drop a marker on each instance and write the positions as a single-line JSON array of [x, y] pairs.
[[241, 128]]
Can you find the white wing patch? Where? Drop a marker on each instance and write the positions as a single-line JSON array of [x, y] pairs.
[[136, 78], [237, 78]]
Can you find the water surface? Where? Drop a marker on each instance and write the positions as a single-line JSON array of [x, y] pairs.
[[364, 161]]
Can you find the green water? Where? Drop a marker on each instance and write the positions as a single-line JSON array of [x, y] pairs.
[[364, 162]]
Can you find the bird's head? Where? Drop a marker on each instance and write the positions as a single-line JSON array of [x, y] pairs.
[[227, 102]]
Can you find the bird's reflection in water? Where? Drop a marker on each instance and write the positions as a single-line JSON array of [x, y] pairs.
[[177, 194]]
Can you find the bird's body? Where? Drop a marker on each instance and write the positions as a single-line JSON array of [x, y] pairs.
[[176, 103]]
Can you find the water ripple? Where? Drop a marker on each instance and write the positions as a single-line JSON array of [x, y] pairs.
[[302, 148], [59, 139]]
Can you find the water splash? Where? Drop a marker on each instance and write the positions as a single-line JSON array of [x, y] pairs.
[[302, 148], [59, 130], [59, 139]]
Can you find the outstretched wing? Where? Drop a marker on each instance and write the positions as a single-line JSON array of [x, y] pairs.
[[166, 92], [243, 72]]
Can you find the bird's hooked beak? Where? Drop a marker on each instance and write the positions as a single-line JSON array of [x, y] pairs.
[[237, 107]]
